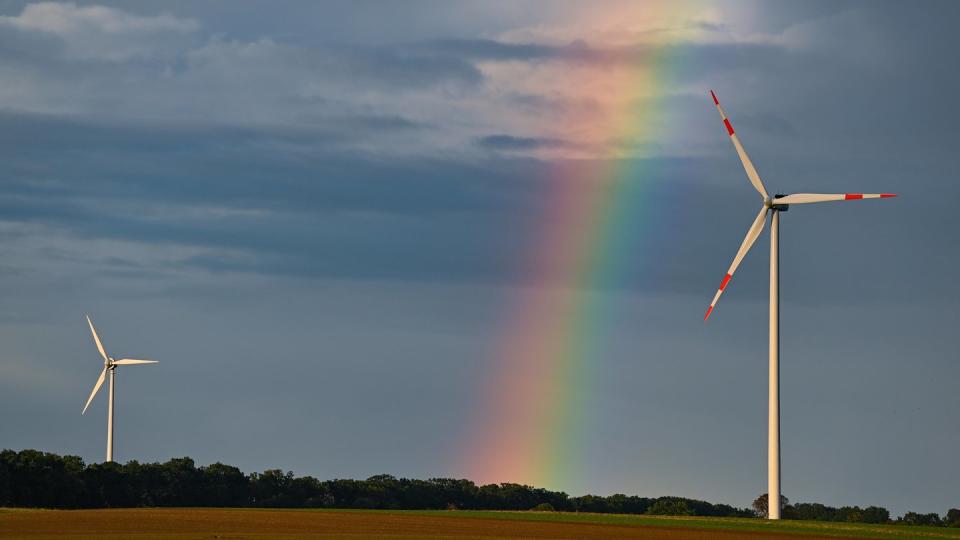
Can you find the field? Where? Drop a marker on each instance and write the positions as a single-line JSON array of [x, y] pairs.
[[237, 524]]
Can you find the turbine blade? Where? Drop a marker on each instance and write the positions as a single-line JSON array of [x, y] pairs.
[[744, 158], [803, 198], [96, 338], [131, 361], [751, 237], [96, 387]]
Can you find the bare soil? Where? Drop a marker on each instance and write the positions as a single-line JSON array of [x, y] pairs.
[[239, 524]]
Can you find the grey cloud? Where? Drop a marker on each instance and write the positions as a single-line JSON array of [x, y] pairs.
[[99, 32], [217, 79], [24, 48], [510, 142], [79, 175], [413, 70], [489, 49], [581, 51], [63, 18], [713, 27], [349, 216]]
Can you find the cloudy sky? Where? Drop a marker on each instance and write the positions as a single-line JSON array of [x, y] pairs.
[[319, 217]]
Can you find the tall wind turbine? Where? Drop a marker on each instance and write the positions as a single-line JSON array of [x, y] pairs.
[[109, 364], [773, 206]]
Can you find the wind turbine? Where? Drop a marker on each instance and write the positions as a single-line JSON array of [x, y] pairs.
[[773, 206], [109, 364]]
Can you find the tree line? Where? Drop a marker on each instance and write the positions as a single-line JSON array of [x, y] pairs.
[[854, 514], [30, 478]]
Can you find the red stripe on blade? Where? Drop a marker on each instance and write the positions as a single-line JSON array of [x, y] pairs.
[[851, 196], [707, 316], [715, 102], [887, 195], [726, 122], [726, 279]]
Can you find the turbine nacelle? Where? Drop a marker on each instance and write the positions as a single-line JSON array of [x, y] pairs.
[[776, 205]]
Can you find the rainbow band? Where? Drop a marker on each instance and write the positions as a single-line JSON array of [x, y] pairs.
[[537, 402]]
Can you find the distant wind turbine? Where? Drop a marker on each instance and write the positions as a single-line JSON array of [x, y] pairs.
[[772, 205], [109, 364]]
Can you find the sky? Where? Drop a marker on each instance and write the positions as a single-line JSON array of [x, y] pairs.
[[477, 239]]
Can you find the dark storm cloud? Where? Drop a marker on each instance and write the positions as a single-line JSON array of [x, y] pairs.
[[343, 215], [489, 49], [510, 142], [24, 133], [339, 214], [61, 159], [397, 66], [719, 55], [105, 67], [332, 214], [331, 210]]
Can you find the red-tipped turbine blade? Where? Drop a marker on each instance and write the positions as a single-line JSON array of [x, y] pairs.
[[744, 158], [804, 198], [755, 229]]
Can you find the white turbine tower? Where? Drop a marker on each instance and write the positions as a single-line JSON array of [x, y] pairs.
[[772, 205], [109, 364]]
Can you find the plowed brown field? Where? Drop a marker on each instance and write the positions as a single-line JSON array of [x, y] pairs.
[[237, 524]]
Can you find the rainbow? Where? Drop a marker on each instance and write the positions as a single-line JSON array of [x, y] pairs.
[[534, 402]]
